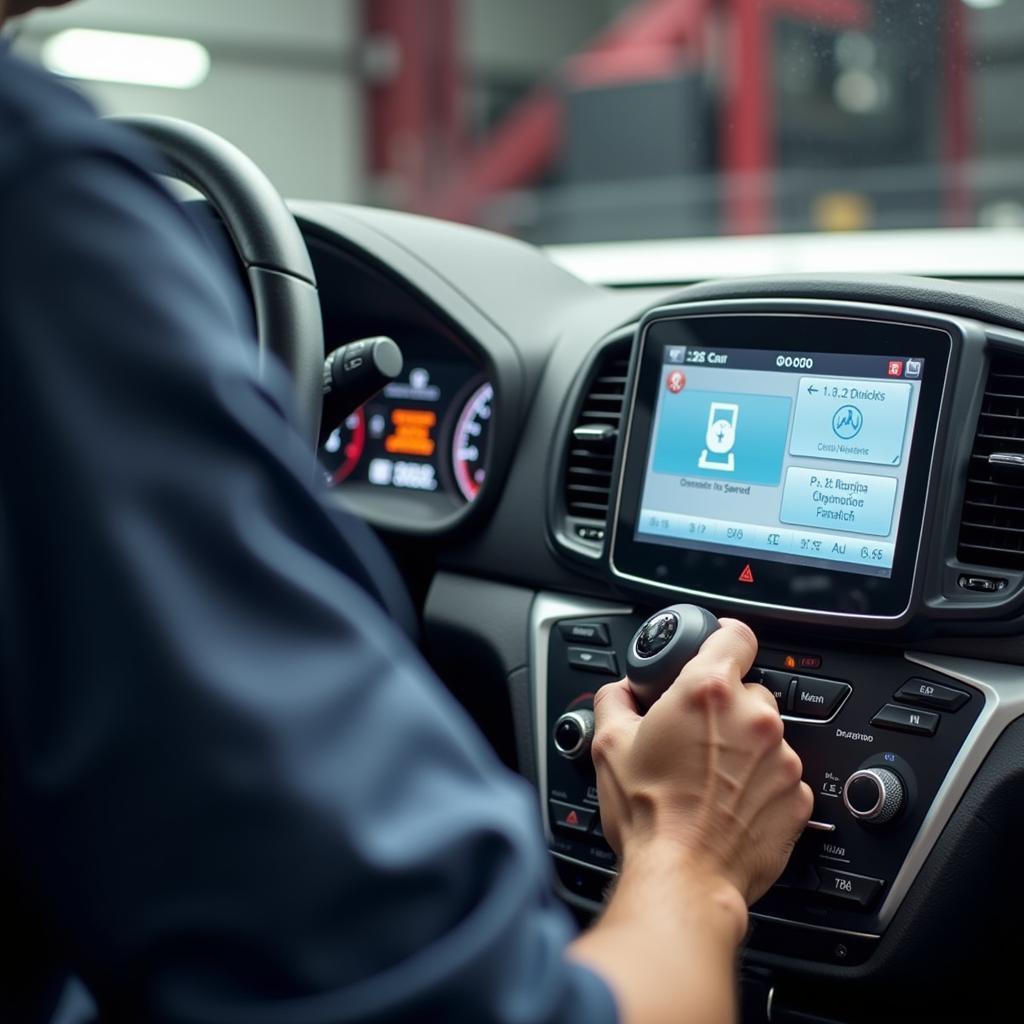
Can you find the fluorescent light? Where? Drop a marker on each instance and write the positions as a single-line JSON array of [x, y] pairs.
[[983, 5], [128, 58]]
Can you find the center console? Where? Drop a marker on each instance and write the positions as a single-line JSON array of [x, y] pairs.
[[786, 463], [878, 735]]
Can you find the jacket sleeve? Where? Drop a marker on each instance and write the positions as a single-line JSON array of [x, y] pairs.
[[240, 794]]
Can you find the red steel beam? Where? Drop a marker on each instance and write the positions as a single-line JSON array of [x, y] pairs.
[[415, 117], [522, 147], [957, 120], [747, 121]]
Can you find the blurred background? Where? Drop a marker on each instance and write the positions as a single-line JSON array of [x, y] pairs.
[[588, 120]]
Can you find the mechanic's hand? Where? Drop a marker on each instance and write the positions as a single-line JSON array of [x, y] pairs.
[[706, 768]]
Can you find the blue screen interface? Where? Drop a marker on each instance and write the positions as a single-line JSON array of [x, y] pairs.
[[795, 457]]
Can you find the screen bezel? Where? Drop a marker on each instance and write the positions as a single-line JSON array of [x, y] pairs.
[[781, 585]]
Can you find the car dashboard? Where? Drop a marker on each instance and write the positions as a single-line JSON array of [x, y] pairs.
[[837, 460]]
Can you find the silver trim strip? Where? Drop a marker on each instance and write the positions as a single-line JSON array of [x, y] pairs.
[[828, 308], [820, 826], [1003, 689], [1001, 685], [584, 864], [548, 609], [813, 927]]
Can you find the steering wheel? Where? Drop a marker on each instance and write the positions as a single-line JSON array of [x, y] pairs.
[[269, 245]]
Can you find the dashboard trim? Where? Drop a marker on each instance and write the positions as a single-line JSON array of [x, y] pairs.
[[836, 309]]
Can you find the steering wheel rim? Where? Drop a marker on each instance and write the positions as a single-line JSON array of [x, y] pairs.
[[268, 243]]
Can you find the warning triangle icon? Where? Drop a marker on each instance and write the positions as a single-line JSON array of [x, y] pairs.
[[747, 576], [572, 818]]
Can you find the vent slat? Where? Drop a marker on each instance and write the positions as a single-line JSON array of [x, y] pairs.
[[992, 522], [1001, 508], [975, 482], [989, 526], [588, 471], [586, 489]]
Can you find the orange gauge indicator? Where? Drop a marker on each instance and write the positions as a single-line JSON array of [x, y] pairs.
[[412, 433]]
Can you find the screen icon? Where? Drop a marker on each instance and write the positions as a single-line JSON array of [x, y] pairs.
[[895, 367], [677, 354], [847, 421], [914, 367], [720, 438], [676, 381]]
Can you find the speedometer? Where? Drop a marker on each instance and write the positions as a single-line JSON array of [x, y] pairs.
[[469, 444], [343, 449]]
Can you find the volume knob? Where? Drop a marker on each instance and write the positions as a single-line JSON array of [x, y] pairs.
[[874, 795], [573, 732]]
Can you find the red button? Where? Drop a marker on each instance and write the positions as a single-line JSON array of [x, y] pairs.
[[676, 381], [566, 816], [747, 576]]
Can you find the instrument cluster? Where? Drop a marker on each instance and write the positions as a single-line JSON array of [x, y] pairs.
[[426, 432]]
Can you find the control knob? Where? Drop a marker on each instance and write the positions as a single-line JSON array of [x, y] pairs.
[[874, 795], [573, 733], [662, 646]]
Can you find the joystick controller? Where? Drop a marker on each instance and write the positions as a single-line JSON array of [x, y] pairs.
[[657, 653], [662, 646]]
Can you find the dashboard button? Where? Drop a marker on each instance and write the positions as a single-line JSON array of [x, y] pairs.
[[857, 889], [818, 699], [932, 695], [586, 633], [892, 716], [570, 817], [593, 661], [779, 683]]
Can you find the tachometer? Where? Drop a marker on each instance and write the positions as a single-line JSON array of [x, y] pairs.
[[469, 445], [343, 449]]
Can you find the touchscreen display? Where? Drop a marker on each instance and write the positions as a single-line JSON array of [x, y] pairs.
[[797, 457]]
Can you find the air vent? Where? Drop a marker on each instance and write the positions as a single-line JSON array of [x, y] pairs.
[[992, 528], [588, 465]]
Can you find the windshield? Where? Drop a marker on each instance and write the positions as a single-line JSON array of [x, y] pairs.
[[582, 121]]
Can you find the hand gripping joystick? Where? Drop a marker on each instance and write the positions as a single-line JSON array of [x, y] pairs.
[[662, 646], [657, 653]]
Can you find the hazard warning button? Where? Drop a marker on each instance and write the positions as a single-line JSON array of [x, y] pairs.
[[747, 576], [569, 817]]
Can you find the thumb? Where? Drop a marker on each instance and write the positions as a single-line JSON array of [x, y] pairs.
[[615, 706]]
